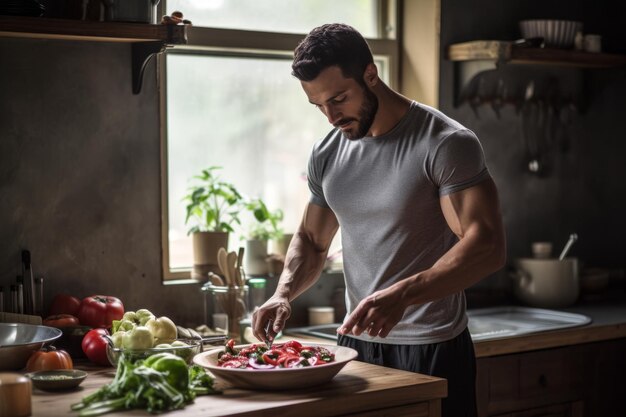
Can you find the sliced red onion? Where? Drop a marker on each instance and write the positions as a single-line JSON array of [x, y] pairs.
[[254, 364]]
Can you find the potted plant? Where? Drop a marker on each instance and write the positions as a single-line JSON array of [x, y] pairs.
[[213, 208], [265, 226]]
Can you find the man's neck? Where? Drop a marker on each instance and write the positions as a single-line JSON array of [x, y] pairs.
[[392, 107]]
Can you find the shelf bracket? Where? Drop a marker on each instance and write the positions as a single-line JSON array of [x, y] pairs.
[[142, 52], [465, 72]]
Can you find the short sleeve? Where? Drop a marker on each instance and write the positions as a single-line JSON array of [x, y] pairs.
[[458, 162], [314, 179]]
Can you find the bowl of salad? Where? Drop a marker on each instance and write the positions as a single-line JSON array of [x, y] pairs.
[[287, 365]]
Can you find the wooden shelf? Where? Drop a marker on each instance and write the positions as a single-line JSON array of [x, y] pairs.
[[147, 40], [475, 57], [39, 27], [504, 52]]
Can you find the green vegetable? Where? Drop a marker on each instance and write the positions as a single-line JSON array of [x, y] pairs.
[[137, 338], [162, 384], [174, 367], [131, 319]]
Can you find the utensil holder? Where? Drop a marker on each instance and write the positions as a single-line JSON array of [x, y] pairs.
[[224, 307]]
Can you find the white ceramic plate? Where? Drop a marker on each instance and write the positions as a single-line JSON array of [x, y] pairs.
[[279, 378]]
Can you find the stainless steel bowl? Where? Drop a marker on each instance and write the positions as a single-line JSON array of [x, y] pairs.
[[18, 341]]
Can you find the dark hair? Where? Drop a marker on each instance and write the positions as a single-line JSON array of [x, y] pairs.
[[330, 45]]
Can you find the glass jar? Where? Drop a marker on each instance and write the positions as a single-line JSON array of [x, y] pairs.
[[224, 307]]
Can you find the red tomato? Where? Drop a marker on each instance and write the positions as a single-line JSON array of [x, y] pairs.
[[95, 346], [293, 344], [100, 310], [49, 359], [61, 320], [64, 304]]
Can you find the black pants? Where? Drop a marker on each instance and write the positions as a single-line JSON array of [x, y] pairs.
[[453, 359]]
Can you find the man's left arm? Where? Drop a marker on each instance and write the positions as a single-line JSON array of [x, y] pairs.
[[473, 214]]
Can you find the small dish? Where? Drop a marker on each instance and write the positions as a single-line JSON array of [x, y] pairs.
[[58, 379]]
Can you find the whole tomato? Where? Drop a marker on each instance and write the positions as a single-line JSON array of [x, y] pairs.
[[100, 310], [64, 304], [48, 359], [95, 346], [61, 320]]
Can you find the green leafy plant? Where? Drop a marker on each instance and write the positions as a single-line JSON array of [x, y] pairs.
[[213, 204], [267, 223]]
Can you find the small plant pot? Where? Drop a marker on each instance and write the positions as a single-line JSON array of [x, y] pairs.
[[255, 260], [205, 247]]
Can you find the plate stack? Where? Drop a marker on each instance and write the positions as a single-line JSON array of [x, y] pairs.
[[21, 8]]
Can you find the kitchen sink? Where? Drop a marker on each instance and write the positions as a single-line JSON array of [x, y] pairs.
[[487, 323]]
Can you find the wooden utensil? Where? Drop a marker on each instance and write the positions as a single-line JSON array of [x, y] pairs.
[[239, 266], [222, 262], [231, 261]]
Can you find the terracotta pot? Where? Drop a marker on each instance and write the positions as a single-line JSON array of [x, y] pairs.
[[205, 247]]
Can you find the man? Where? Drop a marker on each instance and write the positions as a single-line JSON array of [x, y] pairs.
[[418, 211]]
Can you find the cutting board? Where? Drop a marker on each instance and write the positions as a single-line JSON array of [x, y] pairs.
[[19, 318]]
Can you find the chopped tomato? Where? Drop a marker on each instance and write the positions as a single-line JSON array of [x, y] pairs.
[[293, 344], [287, 355], [270, 357]]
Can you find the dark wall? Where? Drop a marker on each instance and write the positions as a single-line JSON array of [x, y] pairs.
[[583, 190], [79, 174], [80, 178]]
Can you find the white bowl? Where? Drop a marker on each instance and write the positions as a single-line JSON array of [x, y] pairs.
[[277, 378], [555, 33]]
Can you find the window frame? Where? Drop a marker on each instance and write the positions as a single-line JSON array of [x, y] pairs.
[[246, 43]]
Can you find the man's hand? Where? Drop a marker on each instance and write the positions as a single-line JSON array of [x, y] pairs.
[[376, 314], [276, 309]]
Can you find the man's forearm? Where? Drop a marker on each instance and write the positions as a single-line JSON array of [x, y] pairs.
[[304, 263], [467, 262]]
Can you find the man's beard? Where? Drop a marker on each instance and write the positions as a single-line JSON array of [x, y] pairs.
[[367, 112]]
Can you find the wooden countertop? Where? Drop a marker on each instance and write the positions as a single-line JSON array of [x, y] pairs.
[[359, 388]]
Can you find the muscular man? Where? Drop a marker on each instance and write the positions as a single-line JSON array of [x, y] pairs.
[[418, 212]]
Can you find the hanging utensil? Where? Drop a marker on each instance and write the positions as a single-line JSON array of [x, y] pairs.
[[572, 238]]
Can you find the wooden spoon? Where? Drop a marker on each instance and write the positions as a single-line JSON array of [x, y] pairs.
[[231, 261], [222, 262]]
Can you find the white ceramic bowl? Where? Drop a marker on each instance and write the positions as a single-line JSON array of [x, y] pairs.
[[555, 33], [278, 378]]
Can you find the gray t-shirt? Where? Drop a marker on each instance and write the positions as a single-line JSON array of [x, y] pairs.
[[385, 193]]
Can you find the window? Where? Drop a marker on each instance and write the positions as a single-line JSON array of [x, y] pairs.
[[230, 101]]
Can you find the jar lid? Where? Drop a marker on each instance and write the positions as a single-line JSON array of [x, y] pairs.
[[257, 282]]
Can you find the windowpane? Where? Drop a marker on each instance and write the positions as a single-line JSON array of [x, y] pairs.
[[248, 115], [286, 16]]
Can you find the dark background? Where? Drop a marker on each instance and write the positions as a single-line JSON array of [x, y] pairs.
[[80, 180]]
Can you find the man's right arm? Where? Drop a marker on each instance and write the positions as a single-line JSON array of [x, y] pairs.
[[303, 265]]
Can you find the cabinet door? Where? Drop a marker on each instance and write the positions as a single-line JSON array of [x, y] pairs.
[[573, 409], [510, 383]]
